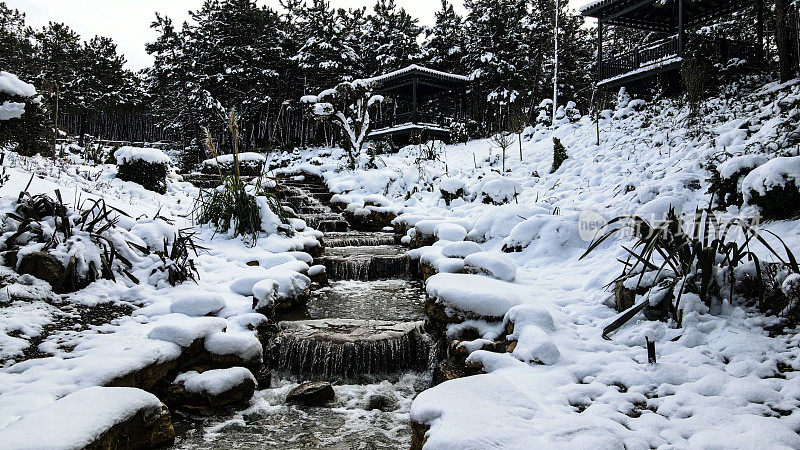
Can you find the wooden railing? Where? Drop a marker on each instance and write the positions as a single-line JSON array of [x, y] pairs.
[[650, 55], [410, 117]]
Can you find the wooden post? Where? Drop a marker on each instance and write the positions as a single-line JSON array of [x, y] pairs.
[[599, 50], [651, 351], [680, 29], [414, 100]]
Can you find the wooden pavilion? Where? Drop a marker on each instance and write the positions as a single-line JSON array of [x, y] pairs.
[[424, 104], [677, 19]]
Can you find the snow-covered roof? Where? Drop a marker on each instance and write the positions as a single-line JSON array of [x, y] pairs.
[[414, 68]]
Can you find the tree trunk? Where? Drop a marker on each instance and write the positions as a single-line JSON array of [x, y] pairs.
[[786, 39]]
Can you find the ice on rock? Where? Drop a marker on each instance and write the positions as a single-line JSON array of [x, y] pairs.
[[450, 232], [476, 294], [495, 265], [214, 382], [197, 304], [78, 419], [461, 249]]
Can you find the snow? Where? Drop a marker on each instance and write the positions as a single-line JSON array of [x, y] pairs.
[[11, 84], [244, 157], [78, 419], [450, 232], [452, 185], [214, 382], [492, 264], [739, 163], [199, 304], [149, 155], [185, 332], [11, 110], [411, 68], [776, 173], [475, 294], [460, 249]]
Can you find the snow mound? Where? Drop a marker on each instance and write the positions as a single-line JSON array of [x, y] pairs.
[[184, 332], [776, 173], [214, 382], [127, 154], [450, 232], [265, 292], [498, 222], [197, 304], [452, 185], [492, 264], [78, 419], [500, 190], [475, 294], [739, 163], [549, 235], [461, 249], [243, 344]]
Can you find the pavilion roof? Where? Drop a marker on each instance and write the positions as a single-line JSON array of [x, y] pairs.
[[661, 15]]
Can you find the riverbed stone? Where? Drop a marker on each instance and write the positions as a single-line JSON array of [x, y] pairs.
[[43, 266], [314, 393]]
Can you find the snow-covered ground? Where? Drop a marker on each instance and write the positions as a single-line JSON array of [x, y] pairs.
[[720, 379], [163, 318]]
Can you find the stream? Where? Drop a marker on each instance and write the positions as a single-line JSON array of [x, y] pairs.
[[363, 332]]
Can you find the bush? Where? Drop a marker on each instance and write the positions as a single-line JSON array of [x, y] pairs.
[[559, 154], [774, 187], [146, 166]]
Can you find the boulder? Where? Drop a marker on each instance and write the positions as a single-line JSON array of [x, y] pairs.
[[211, 390], [382, 402], [43, 266], [315, 393], [94, 418]]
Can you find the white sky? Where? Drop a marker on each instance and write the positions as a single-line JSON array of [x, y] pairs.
[[128, 21]]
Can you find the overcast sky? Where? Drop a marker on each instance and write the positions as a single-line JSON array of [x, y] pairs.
[[128, 21]]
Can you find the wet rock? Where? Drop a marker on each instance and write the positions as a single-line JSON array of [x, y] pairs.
[[43, 266], [318, 274], [418, 438], [382, 402], [146, 377], [315, 393], [210, 390]]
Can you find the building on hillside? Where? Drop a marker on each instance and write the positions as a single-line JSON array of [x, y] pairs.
[[678, 23], [421, 104]]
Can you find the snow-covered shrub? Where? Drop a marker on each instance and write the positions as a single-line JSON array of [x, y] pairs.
[[559, 154], [85, 244], [687, 266], [174, 264], [500, 190], [238, 208], [451, 189], [775, 187], [146, 166], [23, 119], [250, 164], [726, 179]]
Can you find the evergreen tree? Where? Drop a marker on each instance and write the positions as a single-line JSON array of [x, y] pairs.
[[16, 50], [392, 42], [444, 44]]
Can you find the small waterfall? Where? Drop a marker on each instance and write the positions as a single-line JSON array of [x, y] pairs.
[[358, 239], [347, 348], [366, 267]]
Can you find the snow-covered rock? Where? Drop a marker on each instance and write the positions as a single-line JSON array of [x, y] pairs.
[[450, 232], [199, 304], [495, 265]]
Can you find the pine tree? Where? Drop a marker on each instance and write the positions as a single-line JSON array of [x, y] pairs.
[[16, 50], [392, 40], [445, 42]]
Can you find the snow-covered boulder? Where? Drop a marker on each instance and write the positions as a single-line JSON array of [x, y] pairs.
[[500, 190], [94, 417], [495, 265], [197, 304], [498, 222], [467, 295], [211, 389], [775, 187], [450, 232], [451, 189], [461, 249]]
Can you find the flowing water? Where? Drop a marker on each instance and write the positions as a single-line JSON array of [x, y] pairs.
[[363, 332]]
